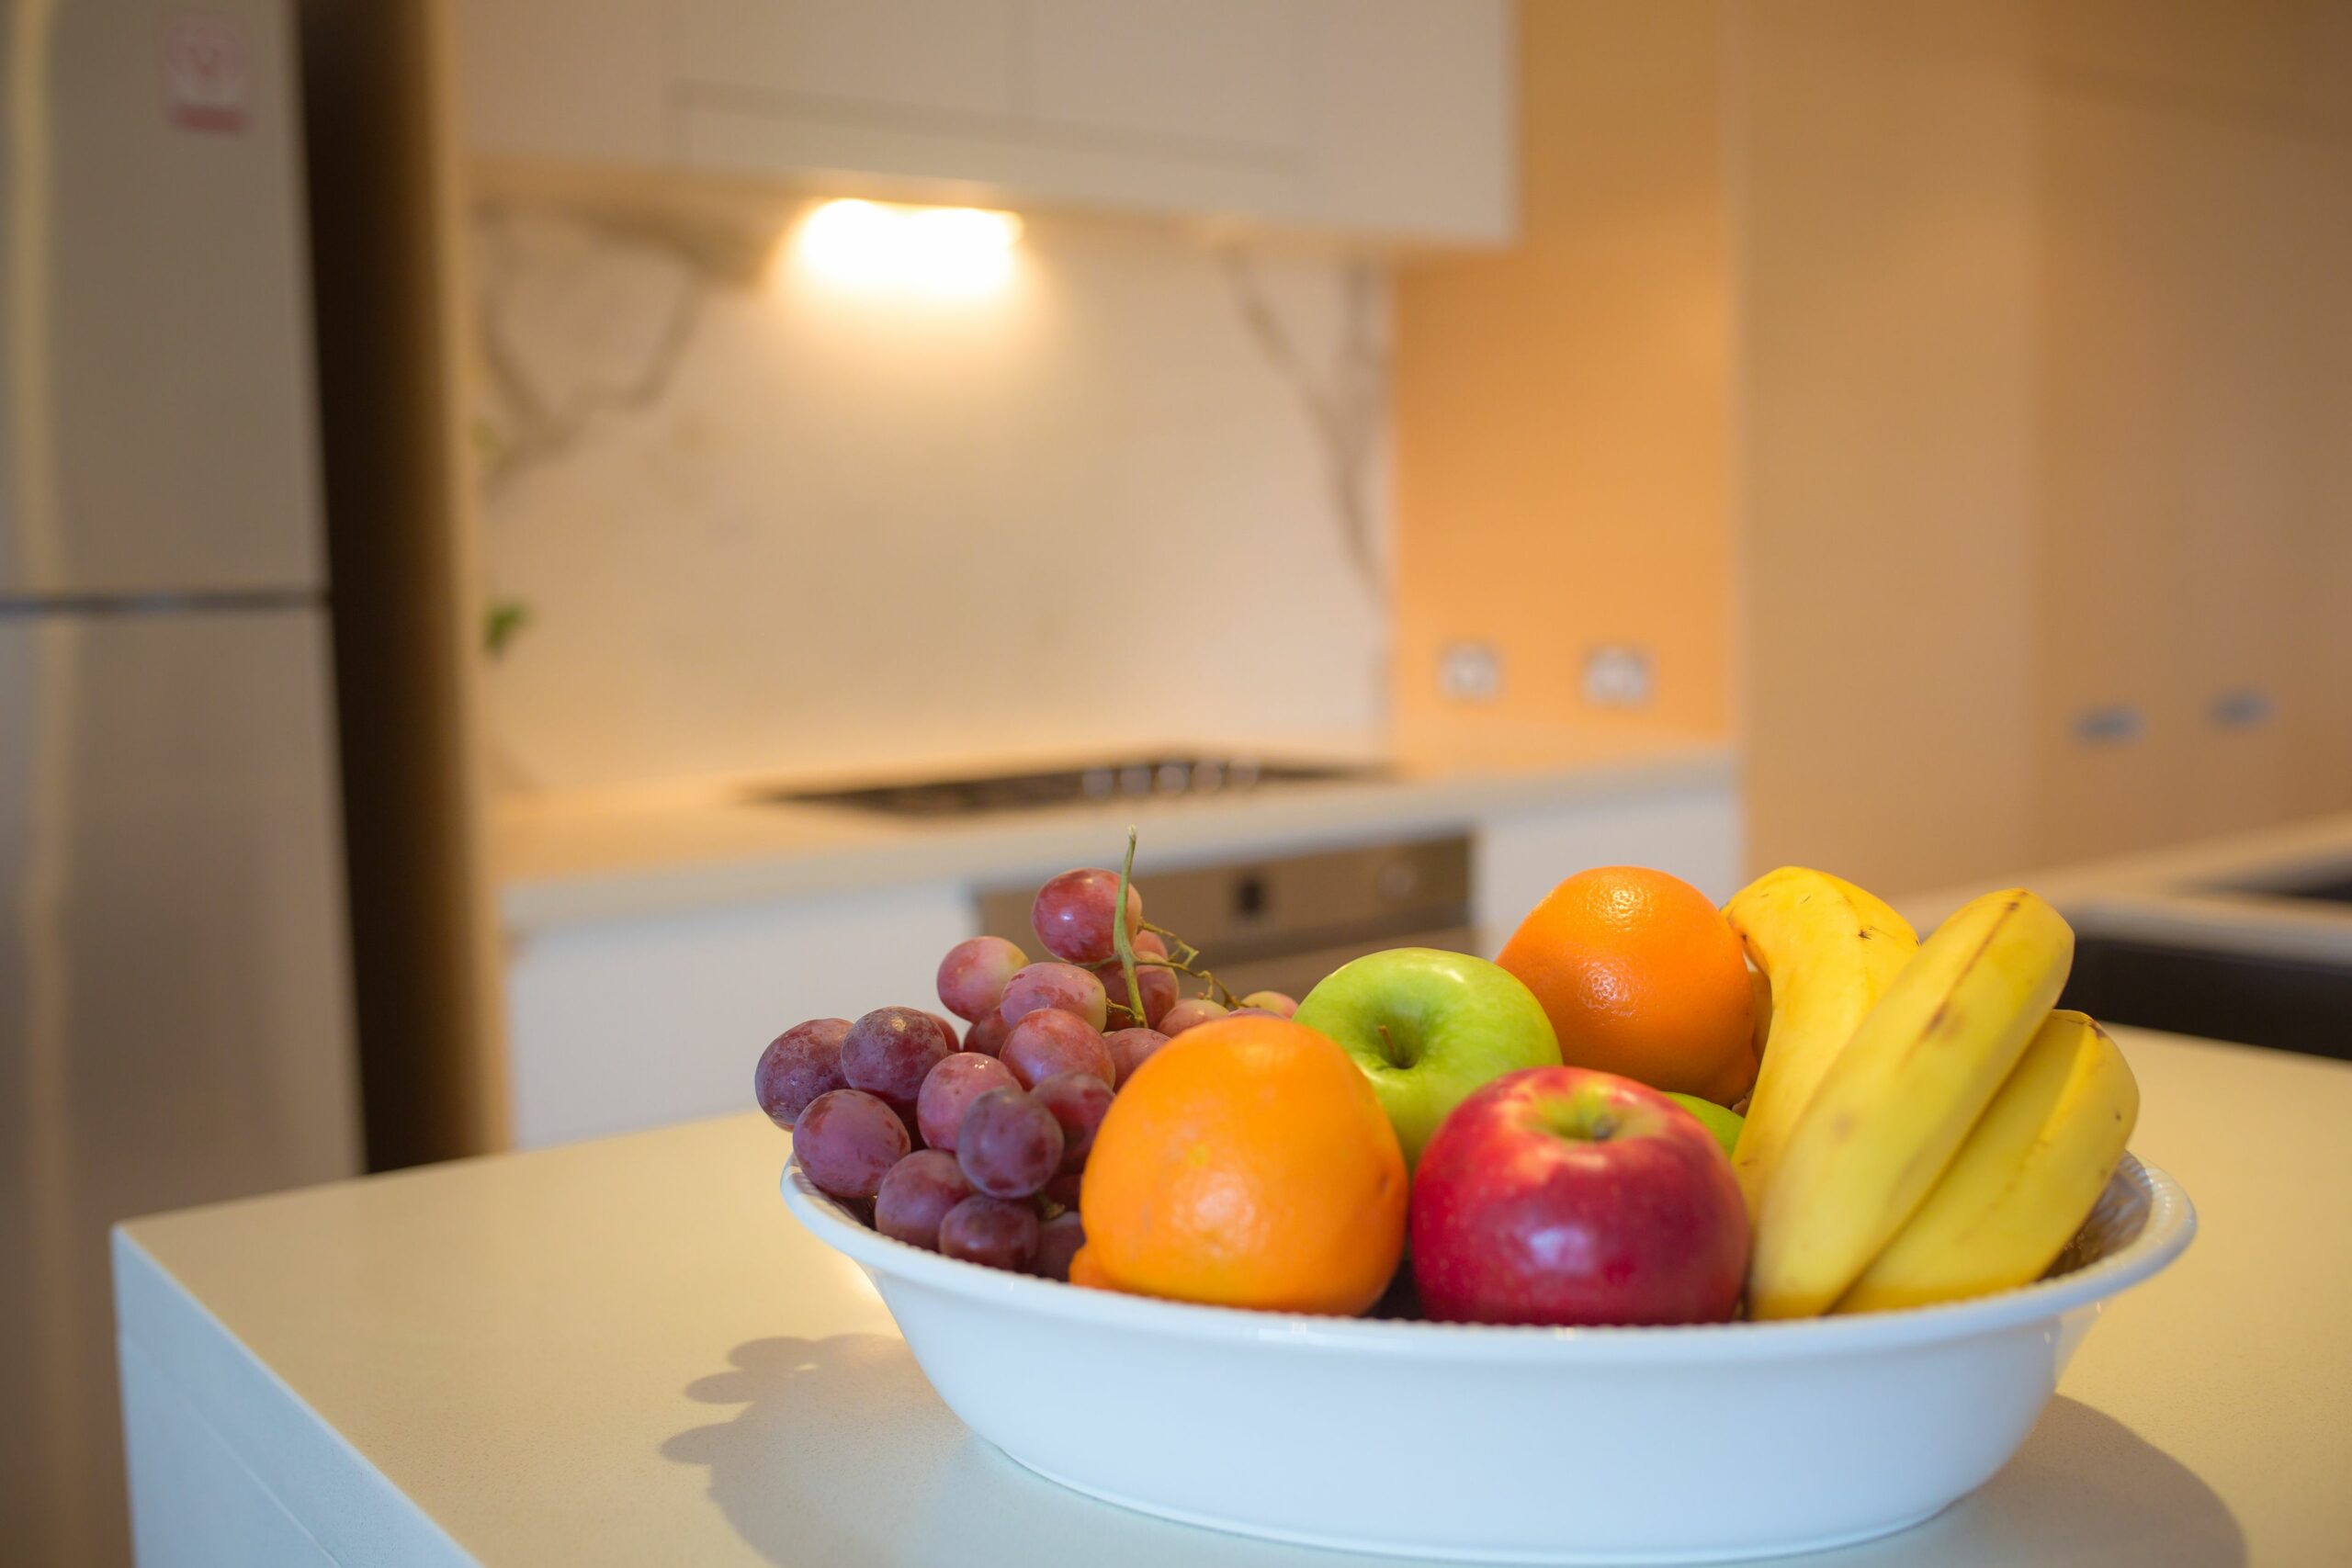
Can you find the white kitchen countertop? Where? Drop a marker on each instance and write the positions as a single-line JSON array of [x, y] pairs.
[[567, 859], [2207, 894], [629, 1352]]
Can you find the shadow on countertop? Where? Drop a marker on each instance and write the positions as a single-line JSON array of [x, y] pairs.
[[2085, 1491], [843, 1453], [839, 1454]]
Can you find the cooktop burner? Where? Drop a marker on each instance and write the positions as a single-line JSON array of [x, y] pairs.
[[1167, 776]]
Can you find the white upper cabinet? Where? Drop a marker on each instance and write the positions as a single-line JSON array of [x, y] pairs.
[[1209, 79], [1384, 118], [862, 60]]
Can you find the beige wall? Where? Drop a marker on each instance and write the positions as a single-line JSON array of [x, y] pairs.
[[1563, 474]]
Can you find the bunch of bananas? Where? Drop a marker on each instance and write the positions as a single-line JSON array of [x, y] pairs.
[[1924, 1127]]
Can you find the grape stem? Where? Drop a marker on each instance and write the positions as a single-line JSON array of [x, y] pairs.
[[1121, 941], [1180, 968], [1181, 961], [1215, 984]]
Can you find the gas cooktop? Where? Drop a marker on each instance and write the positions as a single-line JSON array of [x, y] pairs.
[[1164, 776]]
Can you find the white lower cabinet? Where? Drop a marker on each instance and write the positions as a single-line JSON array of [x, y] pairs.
[[633, 1023], [1694, 832]]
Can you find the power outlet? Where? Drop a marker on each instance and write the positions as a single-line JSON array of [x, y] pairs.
[[1470, 671], [1618, 675]]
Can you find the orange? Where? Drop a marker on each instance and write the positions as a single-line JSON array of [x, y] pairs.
[[1247, 1164], [1083, 1272], [1642, 976]]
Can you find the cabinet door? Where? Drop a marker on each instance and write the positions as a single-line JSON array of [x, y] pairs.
[[941, 56], [175, 1022], [156, 328], [640, 1021], [1194, 75], [1389, 117], [1691, 829], [2197, 371], [1415, 118]]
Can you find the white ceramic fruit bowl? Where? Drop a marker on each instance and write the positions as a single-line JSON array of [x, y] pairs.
[[1510, 1445]]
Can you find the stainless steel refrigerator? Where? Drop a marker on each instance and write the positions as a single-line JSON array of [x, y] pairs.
[[174, 1008]]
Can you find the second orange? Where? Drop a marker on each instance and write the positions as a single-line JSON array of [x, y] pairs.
[[1641, 975]]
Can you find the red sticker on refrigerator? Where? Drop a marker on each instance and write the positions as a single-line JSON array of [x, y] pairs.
[[205, 80]]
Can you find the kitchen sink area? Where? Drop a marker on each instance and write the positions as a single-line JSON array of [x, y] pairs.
[[2327, 882], [2247, 937], [2279, 1000]]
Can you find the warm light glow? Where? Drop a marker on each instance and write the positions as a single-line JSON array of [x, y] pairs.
[[941, 251]]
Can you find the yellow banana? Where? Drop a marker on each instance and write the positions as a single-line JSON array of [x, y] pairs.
[[1828, 950], [1893, 1106], [2024, 1182]]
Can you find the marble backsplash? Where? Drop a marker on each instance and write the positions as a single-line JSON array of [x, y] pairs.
[[741, 519]]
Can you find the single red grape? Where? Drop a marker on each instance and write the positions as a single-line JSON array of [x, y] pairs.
[[1058, 1240], [1063, 987], [987, 1034], [916, 1195], [950, 1090], [1051, 1042], [890, 1051], [1188, 1012], [1131, 1048], [1078, 1102], [1009, 1144], [800, 1064], [1072, 914], [1274, 1003], [993, 1231], [847, 1140], [1063, 1189], [972, 975]]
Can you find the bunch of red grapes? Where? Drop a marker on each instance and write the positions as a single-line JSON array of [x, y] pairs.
[[974, 1147]]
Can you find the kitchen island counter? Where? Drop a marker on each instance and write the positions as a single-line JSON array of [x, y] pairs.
[[627, 1351]]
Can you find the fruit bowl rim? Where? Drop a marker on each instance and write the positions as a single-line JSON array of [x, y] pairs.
[[2171, 1222]]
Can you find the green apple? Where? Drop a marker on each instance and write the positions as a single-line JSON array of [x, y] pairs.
[[1428, 1028], [1724, 1123]]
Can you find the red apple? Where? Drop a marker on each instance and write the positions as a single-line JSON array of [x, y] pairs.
[[1560, 1195]]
